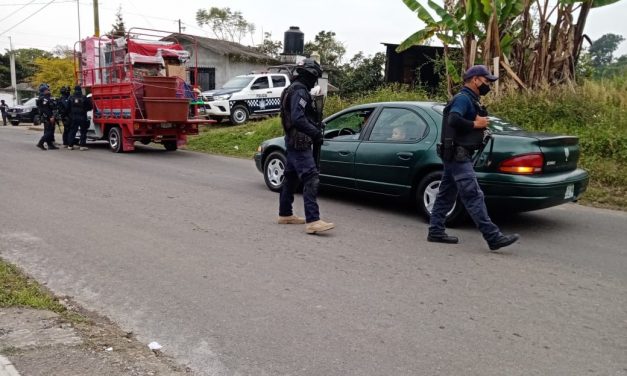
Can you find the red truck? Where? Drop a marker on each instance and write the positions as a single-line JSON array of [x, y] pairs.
[[139, 85]]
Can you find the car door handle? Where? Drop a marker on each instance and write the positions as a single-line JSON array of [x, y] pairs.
[[269, 92], [404, 155], [344, 153]]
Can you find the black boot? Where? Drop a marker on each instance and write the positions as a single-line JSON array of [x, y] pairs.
[[443, 238], [51, 146], [41, 145], [503, 241]]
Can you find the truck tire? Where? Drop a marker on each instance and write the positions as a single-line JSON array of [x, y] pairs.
[[115, 140], [170, 145], [426, 192], [239, 114]]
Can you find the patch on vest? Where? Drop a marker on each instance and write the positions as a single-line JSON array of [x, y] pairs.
[[302, 103]]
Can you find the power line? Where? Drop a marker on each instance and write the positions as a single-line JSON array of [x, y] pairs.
[[37, 11], [18, 9]]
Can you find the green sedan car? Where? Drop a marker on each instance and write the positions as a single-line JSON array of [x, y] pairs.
[[390, 149]]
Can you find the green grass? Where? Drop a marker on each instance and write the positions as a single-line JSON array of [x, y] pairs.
[[594, 111], [17, 290]]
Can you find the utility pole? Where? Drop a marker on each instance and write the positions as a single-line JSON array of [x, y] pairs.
[[96, 20], [78, 10], [13, 75]]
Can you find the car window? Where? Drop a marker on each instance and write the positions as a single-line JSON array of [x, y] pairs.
[[261, 83], [278, 81], [30, 102], [351, 122], [237, 82], [398, 125]]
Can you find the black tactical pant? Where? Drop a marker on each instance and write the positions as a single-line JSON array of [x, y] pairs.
[[48, 136]]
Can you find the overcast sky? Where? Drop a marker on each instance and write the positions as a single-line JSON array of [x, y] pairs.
[[362, 25]]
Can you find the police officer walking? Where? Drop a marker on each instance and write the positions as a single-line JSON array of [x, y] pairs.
[[463, 126], [298, 117], [46, 107], [79, 106], [63, 106]]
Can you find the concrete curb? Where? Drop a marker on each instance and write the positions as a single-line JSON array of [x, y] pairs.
[[6, 368]]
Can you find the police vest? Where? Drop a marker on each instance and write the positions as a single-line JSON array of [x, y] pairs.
[[472, 139], [291, 132], [78, 106]]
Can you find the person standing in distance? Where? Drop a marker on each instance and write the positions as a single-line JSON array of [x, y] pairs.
[[298, 117], [79, 106], [46, 107], [3, 109], [463, 126]]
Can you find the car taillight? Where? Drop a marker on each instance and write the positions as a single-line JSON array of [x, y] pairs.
[[527, 164]]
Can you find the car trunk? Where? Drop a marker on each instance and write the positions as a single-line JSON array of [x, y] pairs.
[[561, 153]]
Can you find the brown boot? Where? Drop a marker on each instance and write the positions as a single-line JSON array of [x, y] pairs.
[[318, 226], [291, 220]]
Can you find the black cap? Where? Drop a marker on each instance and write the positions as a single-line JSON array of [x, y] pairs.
[[479, 70]]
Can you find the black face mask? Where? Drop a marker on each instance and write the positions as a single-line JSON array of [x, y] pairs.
[[484, 89], [309, 80]]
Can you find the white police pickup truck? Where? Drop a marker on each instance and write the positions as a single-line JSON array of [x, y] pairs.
[[246, 95]]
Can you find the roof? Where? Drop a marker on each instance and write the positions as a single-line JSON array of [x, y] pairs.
[[22, 86], [224, 47]]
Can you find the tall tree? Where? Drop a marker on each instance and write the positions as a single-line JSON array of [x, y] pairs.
[[270, 47], [537, 42], [55, 72], [225, 24], [118, 30], [328, 47], [361, 74], [602, 50]]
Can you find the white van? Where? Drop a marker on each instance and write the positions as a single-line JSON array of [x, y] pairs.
[[246, 95]]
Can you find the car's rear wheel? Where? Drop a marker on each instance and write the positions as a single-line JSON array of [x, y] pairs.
[[15, 123], [239, 114], [426, 192], [36, 120], [170, 145], [274, 171]]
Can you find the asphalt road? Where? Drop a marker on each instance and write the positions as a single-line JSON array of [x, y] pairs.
[[182, 248]]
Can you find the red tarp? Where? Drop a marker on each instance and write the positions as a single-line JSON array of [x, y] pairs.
[[151, 49]]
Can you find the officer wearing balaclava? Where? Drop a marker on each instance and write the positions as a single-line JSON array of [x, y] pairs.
[[79, 106], [298, 117], [46, 107]]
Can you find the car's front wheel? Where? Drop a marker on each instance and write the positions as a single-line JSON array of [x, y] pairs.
[[239, 114], [274, 171], [426, 192], [15, 123]]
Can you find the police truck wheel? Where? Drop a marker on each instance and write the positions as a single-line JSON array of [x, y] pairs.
[[239, 114], [426, 192], [115, 140], [170, 145], [274, 171]]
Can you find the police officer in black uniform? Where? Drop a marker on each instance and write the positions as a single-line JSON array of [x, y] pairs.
[[463, 127], [298, 117], [46, 107], [63, 110], [79, 106]]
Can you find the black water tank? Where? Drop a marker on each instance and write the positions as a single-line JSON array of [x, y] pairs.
[[294, 41]]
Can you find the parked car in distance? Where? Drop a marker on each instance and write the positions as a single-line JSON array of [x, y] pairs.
[[24, 113], [362, 151], [246, 95]]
